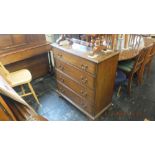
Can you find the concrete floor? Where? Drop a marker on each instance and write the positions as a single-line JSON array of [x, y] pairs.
[[139, 106]]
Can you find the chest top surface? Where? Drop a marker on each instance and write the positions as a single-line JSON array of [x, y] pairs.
[[84, 52]]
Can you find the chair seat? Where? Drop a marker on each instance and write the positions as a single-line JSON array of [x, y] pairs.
[[126, 66], [19, 77]]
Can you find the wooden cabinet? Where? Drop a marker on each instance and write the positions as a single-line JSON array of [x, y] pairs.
[[85, 82], [18, 51]]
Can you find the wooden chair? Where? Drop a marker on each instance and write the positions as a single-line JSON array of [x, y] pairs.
[[151, 56], [109, 39], [19, 78], [147, 62], [131, 67]]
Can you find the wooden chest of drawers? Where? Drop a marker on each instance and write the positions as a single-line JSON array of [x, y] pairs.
[[85, 82]]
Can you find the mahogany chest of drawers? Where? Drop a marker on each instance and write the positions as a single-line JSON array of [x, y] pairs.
[[84, 81]]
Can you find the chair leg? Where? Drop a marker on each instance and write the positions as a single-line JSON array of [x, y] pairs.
[[148, 69], [140, 74], [22, 88], [119, 90], [129, 84], [33, 92], [138, 78]]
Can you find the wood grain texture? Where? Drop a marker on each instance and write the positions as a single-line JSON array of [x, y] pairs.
[[105, 81]]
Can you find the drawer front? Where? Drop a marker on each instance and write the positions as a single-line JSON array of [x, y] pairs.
[[84, 92], [80, 63], [82, 77], [85, 105]]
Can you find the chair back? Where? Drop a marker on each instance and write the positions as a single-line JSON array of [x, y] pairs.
[[133, 41], [149, 53], [109, 40], [139, 60], [3, 71], [152, 52]]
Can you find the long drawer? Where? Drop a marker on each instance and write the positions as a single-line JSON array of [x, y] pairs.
[[75, 86], [82, 103], [80, 63], [82, 77]]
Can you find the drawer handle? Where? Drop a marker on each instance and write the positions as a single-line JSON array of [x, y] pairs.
[[62, 90], [61, 67], [83, 93], [61, 79], [84, 105], [84, 80], [59, 55], [84, 67]]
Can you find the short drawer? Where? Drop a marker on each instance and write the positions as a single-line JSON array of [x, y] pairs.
[[84, 92], [83, 104], [82, 77], [79, 62]]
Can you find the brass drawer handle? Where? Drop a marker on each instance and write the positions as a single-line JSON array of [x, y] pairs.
[[61, 79], [84, 80], [84, 67], [83, 93], [61, 67], [59, 55], [84, 105], [62, 90]]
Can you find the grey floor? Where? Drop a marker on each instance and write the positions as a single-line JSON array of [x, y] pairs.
[[140, 105]]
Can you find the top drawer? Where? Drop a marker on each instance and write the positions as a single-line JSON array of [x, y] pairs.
[[81, 63]]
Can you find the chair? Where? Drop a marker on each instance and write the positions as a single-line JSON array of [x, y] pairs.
[[133, 41], [151, 56], [19, 78], [147, 61], [131, 67], [109, 40]]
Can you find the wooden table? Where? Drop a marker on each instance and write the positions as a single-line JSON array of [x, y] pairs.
[[127, 54], [130, 54]]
